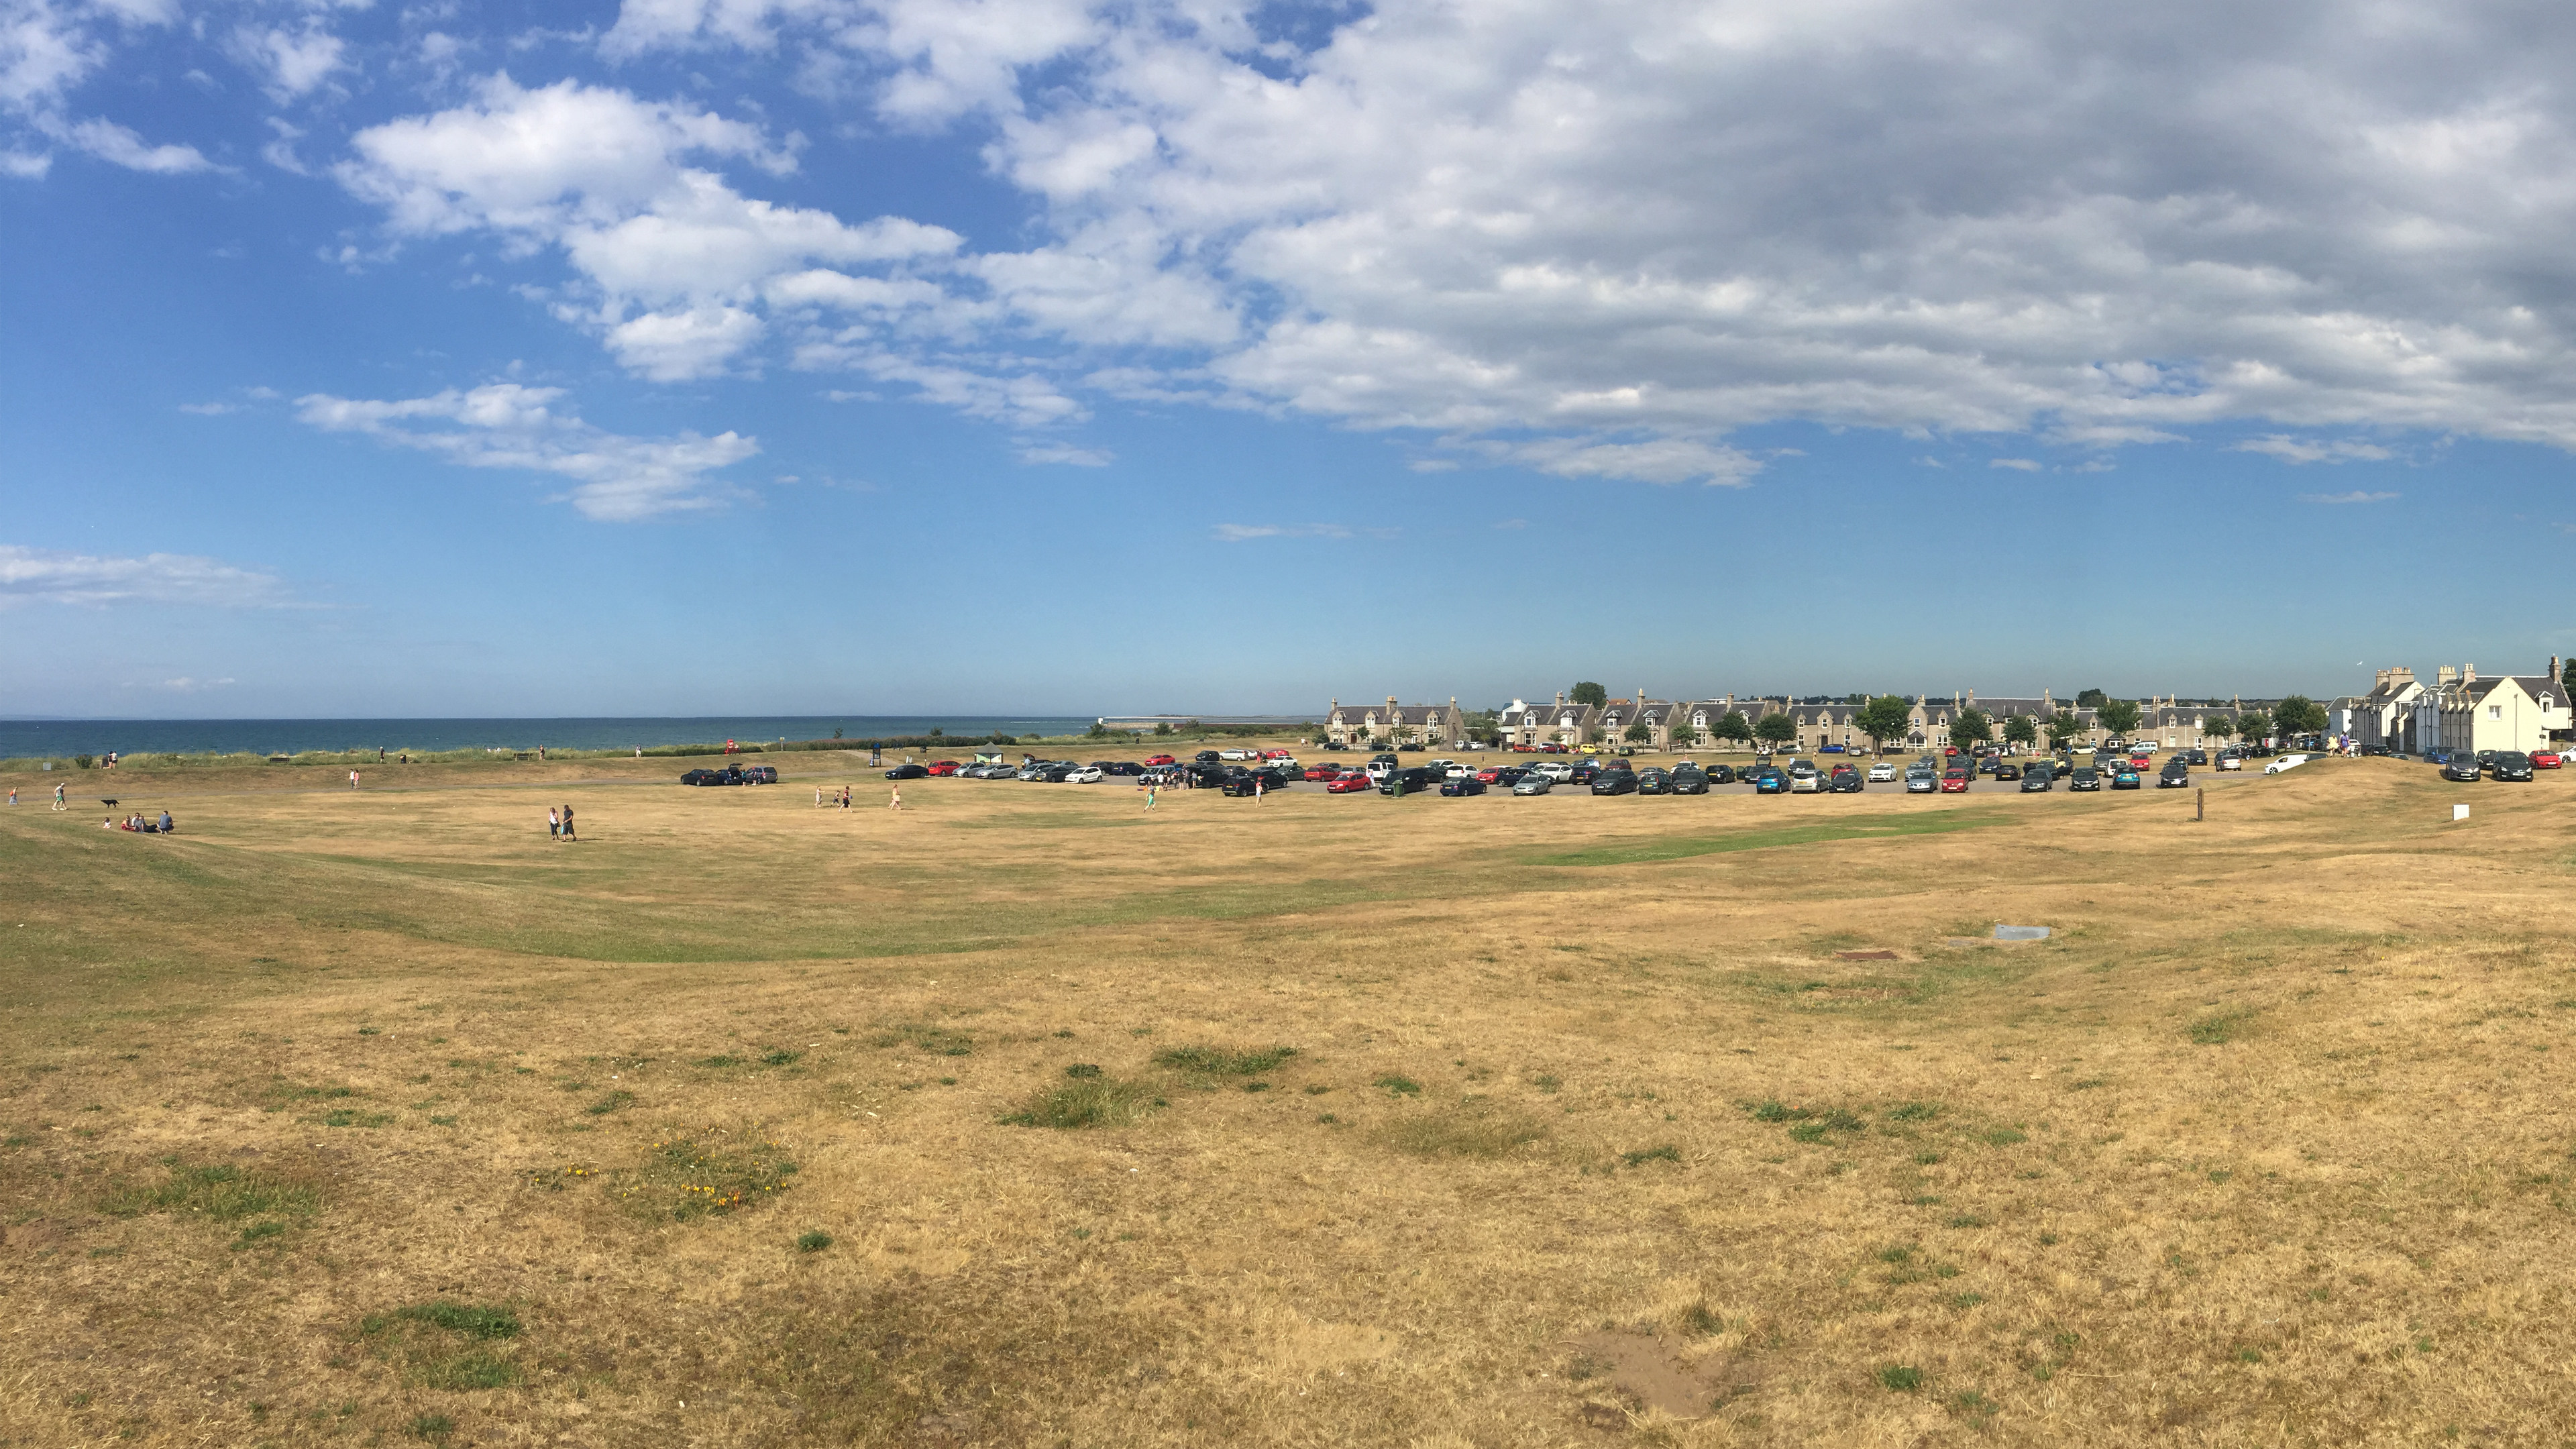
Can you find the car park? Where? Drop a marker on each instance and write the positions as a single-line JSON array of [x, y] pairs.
[[2038, 778], [2509, 765], [1085, 775], [1882, 773], [1462, 785], [1411, 780], [1805, 778], [1770, 780], [1845, 780], [1380, 766], [2174, 776], [1689, 779], [903, 772], [1533, 783], [2007, 770], [1615, 782], [2086, 777], [1453, 770], [2545, 759], [1556, 770], [1723, 775], [1954, 781], [943, 767], [1354, 783], [1920, 781], [1653, 780], [2124, 777], [1325, 773]]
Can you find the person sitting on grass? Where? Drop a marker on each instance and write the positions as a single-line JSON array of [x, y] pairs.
[[167, 825]]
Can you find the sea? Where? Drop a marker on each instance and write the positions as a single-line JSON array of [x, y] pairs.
[[23, 739]]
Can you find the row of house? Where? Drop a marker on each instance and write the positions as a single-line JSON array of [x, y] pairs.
[[2172, 724], [2459, 710]]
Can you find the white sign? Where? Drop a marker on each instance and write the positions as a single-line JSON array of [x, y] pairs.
[[2459, 812]]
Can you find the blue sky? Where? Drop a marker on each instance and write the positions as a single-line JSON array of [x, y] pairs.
[[1036, 355]]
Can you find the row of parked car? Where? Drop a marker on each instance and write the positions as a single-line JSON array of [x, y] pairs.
[[2497, 764]]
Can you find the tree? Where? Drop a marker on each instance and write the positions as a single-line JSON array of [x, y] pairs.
[[2020, 731], [1587, 692], [1885, 719], [1592, 734], [2567, 676], [1484, 726], [1774, 728], [1970, 728], [2299, 715], [1684, 737], [1162, 727], [2218, 726], [1638, 733], [2119, 716], [2253, 724], [1733, 728], [2091, 699], [2063, 726], [1099, 729]]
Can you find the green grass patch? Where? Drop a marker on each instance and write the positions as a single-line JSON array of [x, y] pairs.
[[1684, 847], [1468, 1130], [681, 1179], [1666, 1153], [447, 1345], [1091, 1101], [2220, 1028], [223, 1192], [1219, 1061], [1901, 1378], [813, 1242]]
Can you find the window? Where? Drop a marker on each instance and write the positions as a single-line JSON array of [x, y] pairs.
[[2495, 711]]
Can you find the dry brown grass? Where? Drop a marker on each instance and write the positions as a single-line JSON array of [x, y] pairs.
[[2267, 1144]]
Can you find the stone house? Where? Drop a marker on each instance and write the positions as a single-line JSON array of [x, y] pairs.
[[1433, 726]]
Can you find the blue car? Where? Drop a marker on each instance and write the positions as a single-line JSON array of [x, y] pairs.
[[2124, 778], [1770, 780], [1462, 785]]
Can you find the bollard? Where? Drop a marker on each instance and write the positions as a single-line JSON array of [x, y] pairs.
[[2199, 802]]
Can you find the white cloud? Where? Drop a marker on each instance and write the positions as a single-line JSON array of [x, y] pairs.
[[206, 409], [120, 146], [186, 685], [53, 576], [2306, 450], [294, 60], [1067, 454], [506, 425], [1246, 532], [2024, 465], [48, 49], [2352, 497]]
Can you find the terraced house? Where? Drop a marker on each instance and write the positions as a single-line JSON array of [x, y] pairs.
[[1432, 726], [1657, 715], [1564, 722], [2463, 711]]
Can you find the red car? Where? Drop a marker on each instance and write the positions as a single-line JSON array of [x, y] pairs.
[[1325, 772], [2544, 759], [943, 767], [1955, 782], [1490, 775], [1350, 784], [1159, 760]]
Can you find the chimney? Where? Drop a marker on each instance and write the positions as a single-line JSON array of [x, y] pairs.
[[2443, 676], [2468, 674], [1560, 699]]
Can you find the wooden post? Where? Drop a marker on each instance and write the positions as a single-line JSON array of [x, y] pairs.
[[2199, 802]]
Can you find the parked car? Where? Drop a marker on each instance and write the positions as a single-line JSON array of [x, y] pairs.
[[1654, 780], [2510, 765], [1128, 769], [1919, 781], [1208, 757], [2038, 778], [1845, 780], [906, 772], [2544, 759], [1615, 782], [2086, 777], [1380, 766], [2124, 777], [1354, 783], [1533, 783], [2285, 763], [2201, 757], [1085, 775], [1152, 760], [1770, 780], [1723, 775], [1556, 770], [1581, 772], [2229, 760], [1462, 785], [1805, 778], [1238, 754], [1988, 764], [2175, 775], [2007, 770], [943, 767], [1687, 779], [1453, 770], [1882, 773], [1411, 780], [1954, 781]]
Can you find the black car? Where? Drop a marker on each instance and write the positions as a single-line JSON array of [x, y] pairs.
[[2462, 767], [2201, 757], [1208, 757], [2509, 765], [1722, 775], [1846, 780], [1654, 781], [1615, 782], [700, 777], [2174, 776], [1411, 780], [2085, 778], [1689, 780], [909, 772], [2038, 777], [1240, 781], [1584, 771], [1462, 785], [1990, 765], [2007, 770]]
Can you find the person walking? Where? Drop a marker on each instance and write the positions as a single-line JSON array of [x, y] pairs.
[[1257, 784], [554, 823], [1149, 797], [568, 835], [818, 797], [353, 779], [897, 802], [13, 797], [58, 798], [845, 797]]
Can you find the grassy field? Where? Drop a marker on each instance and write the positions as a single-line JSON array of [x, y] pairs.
[[1024, 1118]]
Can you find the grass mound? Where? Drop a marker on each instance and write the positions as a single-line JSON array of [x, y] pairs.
[[1221, 1062], [685, 1178], [1087, 1101], [222, 1192]]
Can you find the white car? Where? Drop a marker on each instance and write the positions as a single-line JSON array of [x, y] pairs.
[[1881, 773], [1557, 770], [1087, 775], [1460, 772], [2231, 762], [1444, 765], [1805, 779], [2286, 762], [1238, 754]]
